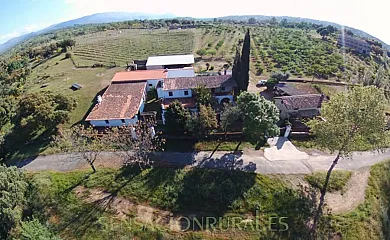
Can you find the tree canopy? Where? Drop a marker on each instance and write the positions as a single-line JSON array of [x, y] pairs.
[[175, 117], [204, 122], [13, 187], [259, 116], [352, 121]]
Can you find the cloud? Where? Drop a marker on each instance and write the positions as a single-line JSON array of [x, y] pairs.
[[6, 37], [26, 29]]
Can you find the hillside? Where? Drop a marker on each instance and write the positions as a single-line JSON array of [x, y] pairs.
[[358, 32], [125, 16], [90, 19]]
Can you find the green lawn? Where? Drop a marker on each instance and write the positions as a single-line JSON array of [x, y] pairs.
[[59, 74]]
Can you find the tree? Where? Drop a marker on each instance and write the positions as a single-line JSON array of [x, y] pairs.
[[246, 50], [279, 76], [241, 65], [33, 229], [64, 44], [135, 143], [252, 20], [84, 141], [204, 122], [259, 117], [236, 71], [201, 52], [43, 110], [13, 186], [352, 119], [211, 52], [204, 96], [175, 117]]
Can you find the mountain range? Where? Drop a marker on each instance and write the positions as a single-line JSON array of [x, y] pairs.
[[126, 16]]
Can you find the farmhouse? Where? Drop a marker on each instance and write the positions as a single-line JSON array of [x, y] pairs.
[[170, 62], [120, 105], [299, 106], [357, 44], [181, 89]]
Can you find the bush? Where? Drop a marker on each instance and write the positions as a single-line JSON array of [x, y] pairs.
[[201, 52], [68, 55]]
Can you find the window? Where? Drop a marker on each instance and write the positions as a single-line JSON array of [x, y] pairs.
[[107, 122], [170, 94], [186, 93], [223, 88]]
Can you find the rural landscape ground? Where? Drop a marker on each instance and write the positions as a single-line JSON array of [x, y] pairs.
[[281, 180]]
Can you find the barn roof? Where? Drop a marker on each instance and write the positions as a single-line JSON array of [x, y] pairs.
[[120, 101], [170, 60]]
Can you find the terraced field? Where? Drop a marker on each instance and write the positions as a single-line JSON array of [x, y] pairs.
[[121, 47]]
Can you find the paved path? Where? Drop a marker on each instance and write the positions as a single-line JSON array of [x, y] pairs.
[[251, 161]]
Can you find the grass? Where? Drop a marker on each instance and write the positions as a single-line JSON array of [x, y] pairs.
[[59, 74], [225, 146], [337, 182], [188, 145], [370, 220], [201, 191]]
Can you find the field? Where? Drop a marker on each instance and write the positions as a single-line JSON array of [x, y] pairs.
[[121, 47], [58, 74]]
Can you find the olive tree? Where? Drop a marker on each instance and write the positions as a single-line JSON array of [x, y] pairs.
[[350, 121]]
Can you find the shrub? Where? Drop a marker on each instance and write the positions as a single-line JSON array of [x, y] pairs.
[[68, 55]]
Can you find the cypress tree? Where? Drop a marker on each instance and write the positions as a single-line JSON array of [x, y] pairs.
[[246, 48], [236, 74]]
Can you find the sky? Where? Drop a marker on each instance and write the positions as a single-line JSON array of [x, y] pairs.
[[18, 17]]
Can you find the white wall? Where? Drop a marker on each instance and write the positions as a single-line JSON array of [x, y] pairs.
[[176, 93], [114, 122], [183, 72], [153, 82]]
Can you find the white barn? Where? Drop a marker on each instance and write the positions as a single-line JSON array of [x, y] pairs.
[[170, 62]]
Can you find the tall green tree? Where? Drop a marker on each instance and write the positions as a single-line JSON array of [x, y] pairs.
[[204, 96], [13, 187], [241, 65], [245, 60], [259, 117], [353, 120], [204, 122], [175, 117]]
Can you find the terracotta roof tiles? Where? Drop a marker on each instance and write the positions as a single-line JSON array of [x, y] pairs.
[[120, 101]]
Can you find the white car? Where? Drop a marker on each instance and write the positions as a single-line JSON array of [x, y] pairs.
[[261, 82]]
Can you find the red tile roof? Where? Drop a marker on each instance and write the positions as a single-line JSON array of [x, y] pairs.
[[120, 101], [303, 101], [185, 102], [139, 75], [193, 82]]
